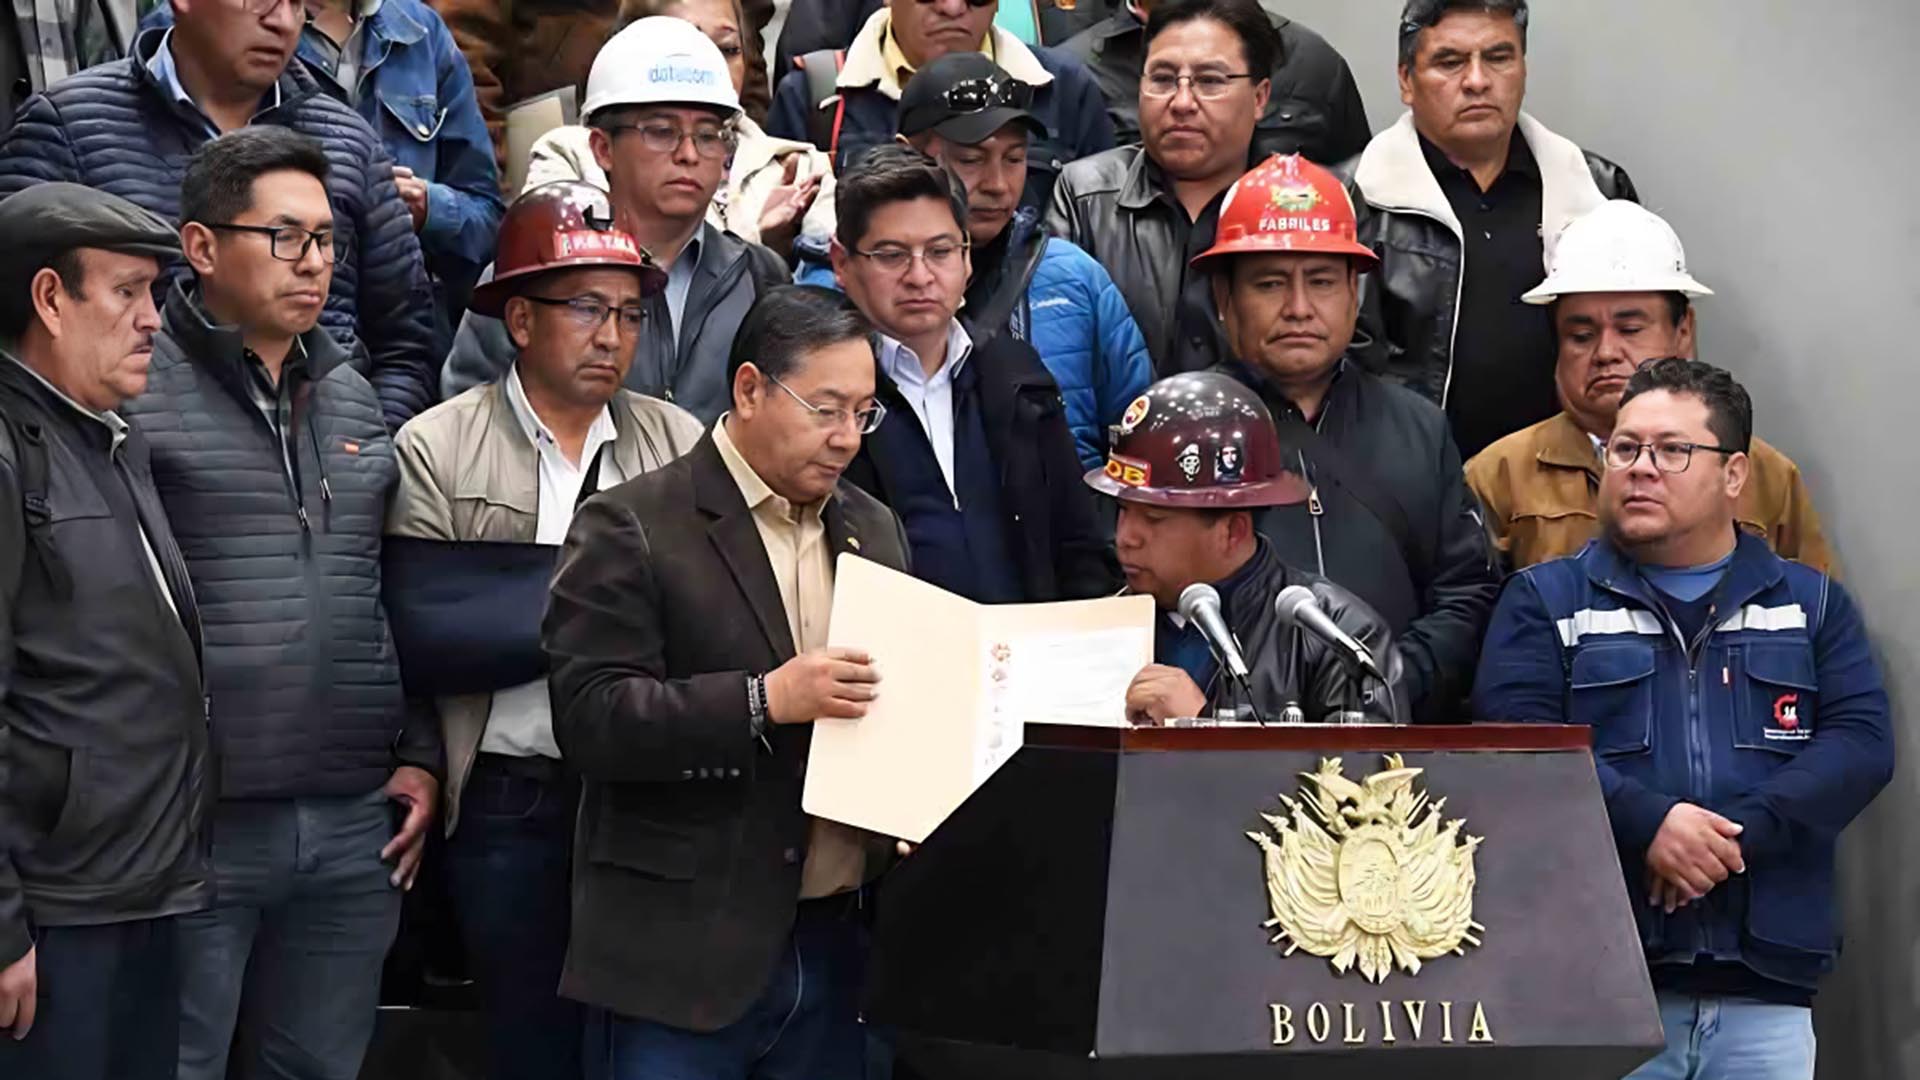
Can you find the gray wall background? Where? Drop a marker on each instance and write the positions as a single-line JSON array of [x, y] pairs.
[[1780, 139]]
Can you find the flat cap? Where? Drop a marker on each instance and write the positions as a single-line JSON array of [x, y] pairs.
[[49, 219]]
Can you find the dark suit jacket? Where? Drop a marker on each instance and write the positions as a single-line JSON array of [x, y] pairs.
[[1052, 522], [691, 838]]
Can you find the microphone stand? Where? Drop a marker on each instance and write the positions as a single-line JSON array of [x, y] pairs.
[[1234, 679], [1360, 674]]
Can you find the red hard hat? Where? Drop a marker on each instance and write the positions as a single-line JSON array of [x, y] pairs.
[[565, 225], [1288, 204], [1199, 441]]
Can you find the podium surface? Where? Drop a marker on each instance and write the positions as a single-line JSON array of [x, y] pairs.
[[1100, 908]]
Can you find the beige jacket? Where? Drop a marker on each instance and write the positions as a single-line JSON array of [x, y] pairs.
[[758, 167], [468, 472]]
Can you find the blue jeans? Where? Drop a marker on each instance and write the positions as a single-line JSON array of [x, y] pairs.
[[1722, 1038], [508, 863], [805, 1025], [284, 971], [100, 1006]]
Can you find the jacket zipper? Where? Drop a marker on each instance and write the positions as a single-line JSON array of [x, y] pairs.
[[1315, 511], [1699, 763]]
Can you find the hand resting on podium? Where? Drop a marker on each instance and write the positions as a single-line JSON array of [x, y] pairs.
[[1161, 693]]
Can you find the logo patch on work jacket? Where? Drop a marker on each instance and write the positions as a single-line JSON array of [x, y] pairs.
[[1786, 719]]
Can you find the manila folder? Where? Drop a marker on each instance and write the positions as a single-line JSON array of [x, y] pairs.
[[958, 683]]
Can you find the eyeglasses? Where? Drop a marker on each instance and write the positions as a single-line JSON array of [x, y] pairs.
[[866, 421], [939, 256], [979, 95], [1206, 85], [289, 243], [266, 7], [664, 138], [588, 314], [1668, 457], [970, 3]]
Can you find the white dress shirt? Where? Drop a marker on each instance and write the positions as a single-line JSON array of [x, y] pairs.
[[930, 397], [521, 721]]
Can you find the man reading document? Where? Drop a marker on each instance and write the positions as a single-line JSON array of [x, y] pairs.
[[716, 926], [1193, 458]]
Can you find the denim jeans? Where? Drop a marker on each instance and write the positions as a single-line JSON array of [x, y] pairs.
[[804, 1026], [508, 865], [284, 970], [1723, 1038], [99, 1014]]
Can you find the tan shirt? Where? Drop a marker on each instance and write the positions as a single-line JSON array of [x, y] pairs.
[[1540, 487], [795, 538]]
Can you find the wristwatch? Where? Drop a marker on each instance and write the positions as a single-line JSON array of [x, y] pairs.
[[757, 705]]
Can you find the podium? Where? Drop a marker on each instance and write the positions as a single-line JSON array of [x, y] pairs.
[[1100, 908]]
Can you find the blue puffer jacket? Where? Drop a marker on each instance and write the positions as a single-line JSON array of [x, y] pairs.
[[416, 91], [1075, 318], [1780, 724], [115, 128]]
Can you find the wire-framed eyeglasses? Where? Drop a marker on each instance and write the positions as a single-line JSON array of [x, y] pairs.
[[662, 137], [938, 256], [590, 314], [1206, 85], [865, 421]]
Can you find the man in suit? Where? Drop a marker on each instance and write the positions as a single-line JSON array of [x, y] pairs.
[[975, 455], [716, 927]]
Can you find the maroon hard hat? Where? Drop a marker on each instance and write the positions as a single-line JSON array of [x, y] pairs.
[[1199, 441], [565, 225]]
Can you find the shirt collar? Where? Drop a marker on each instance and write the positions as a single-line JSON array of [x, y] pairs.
[[902, 364], [753, 489], [1520, 159], [685, 263], [167, 74], [536, 429], [110, 420], [900, 67]]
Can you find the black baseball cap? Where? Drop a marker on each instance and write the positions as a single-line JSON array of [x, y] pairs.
[[964, 97]]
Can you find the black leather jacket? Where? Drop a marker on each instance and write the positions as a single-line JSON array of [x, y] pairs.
[[1294, 675], [1437, 588], [105, 774], [1119, 208], [1408, 306]]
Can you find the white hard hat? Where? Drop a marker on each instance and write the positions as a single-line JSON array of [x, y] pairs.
[[1618, 246], [660, 61]]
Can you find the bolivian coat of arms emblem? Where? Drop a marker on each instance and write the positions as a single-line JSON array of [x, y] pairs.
[[1367, 873]]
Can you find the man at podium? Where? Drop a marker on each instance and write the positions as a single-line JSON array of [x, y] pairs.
[[1192, 459]]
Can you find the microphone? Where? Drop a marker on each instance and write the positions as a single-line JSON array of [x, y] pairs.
[[1298, 607], [1200, 605]]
